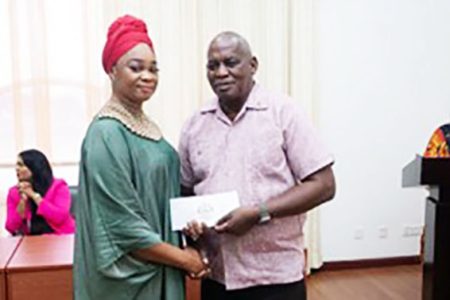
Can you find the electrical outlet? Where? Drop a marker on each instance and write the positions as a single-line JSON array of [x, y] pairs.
[[411, 231], [382, 232], [416, 230]]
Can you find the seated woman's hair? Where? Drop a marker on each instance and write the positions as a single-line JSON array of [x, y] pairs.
[[42, 175]]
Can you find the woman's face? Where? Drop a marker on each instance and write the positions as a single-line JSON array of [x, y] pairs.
[[22, 171], [135, 76]]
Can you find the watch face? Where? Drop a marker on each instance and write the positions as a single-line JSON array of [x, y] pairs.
[[264, 219], [264, 215]]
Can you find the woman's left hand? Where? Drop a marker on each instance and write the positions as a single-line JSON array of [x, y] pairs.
[[205, 271], [26, 188]]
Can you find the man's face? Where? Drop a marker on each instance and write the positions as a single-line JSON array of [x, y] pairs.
[[230, 70]]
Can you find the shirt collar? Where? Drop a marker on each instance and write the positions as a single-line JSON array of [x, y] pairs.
[[254, 101]]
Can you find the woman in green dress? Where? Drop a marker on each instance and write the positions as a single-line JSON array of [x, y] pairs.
[[124, 246]]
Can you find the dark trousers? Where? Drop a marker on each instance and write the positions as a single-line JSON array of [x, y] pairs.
[[212, 290]]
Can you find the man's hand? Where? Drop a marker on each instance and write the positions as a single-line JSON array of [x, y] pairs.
[[239, 221], [195, 230]]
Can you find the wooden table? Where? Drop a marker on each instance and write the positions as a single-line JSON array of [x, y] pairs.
[[7, 248], [41, 268]]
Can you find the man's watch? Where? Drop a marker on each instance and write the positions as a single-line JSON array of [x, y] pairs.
[[264, 215]]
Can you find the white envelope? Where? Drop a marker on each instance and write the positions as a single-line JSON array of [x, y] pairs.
[[206, 208]]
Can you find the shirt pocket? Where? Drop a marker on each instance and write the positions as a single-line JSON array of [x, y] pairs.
[[202, 158], [266, 154]]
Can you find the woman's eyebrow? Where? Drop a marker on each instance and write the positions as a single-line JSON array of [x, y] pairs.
[[153, 62]]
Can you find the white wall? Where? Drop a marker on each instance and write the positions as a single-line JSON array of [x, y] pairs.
[[383, 85]]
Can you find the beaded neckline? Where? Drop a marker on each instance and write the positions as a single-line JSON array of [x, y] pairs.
[[132, 118]]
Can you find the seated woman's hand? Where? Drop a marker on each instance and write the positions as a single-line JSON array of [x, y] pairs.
[[21, 207], [26, 189]]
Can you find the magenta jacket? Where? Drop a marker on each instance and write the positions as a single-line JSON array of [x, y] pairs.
[[54, 208]]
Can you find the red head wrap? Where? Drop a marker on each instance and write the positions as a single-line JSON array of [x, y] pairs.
[[123, 34]]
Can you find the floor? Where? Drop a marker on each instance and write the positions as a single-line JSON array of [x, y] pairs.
[[386, 283]]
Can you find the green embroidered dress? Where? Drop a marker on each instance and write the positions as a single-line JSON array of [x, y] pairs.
[[125, 183]]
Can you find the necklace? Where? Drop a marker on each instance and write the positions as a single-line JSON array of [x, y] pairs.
[[132, 117]]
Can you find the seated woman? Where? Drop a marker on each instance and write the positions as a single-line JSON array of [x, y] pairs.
[[439, 144], [39, 203]]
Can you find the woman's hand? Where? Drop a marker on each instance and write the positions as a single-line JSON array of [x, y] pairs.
[[197, 266], [25, 188], [21, 206]]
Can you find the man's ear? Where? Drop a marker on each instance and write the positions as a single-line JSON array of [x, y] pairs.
[[254, 64]]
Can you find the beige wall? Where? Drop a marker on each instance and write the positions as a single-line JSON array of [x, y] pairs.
[[52, 82]]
